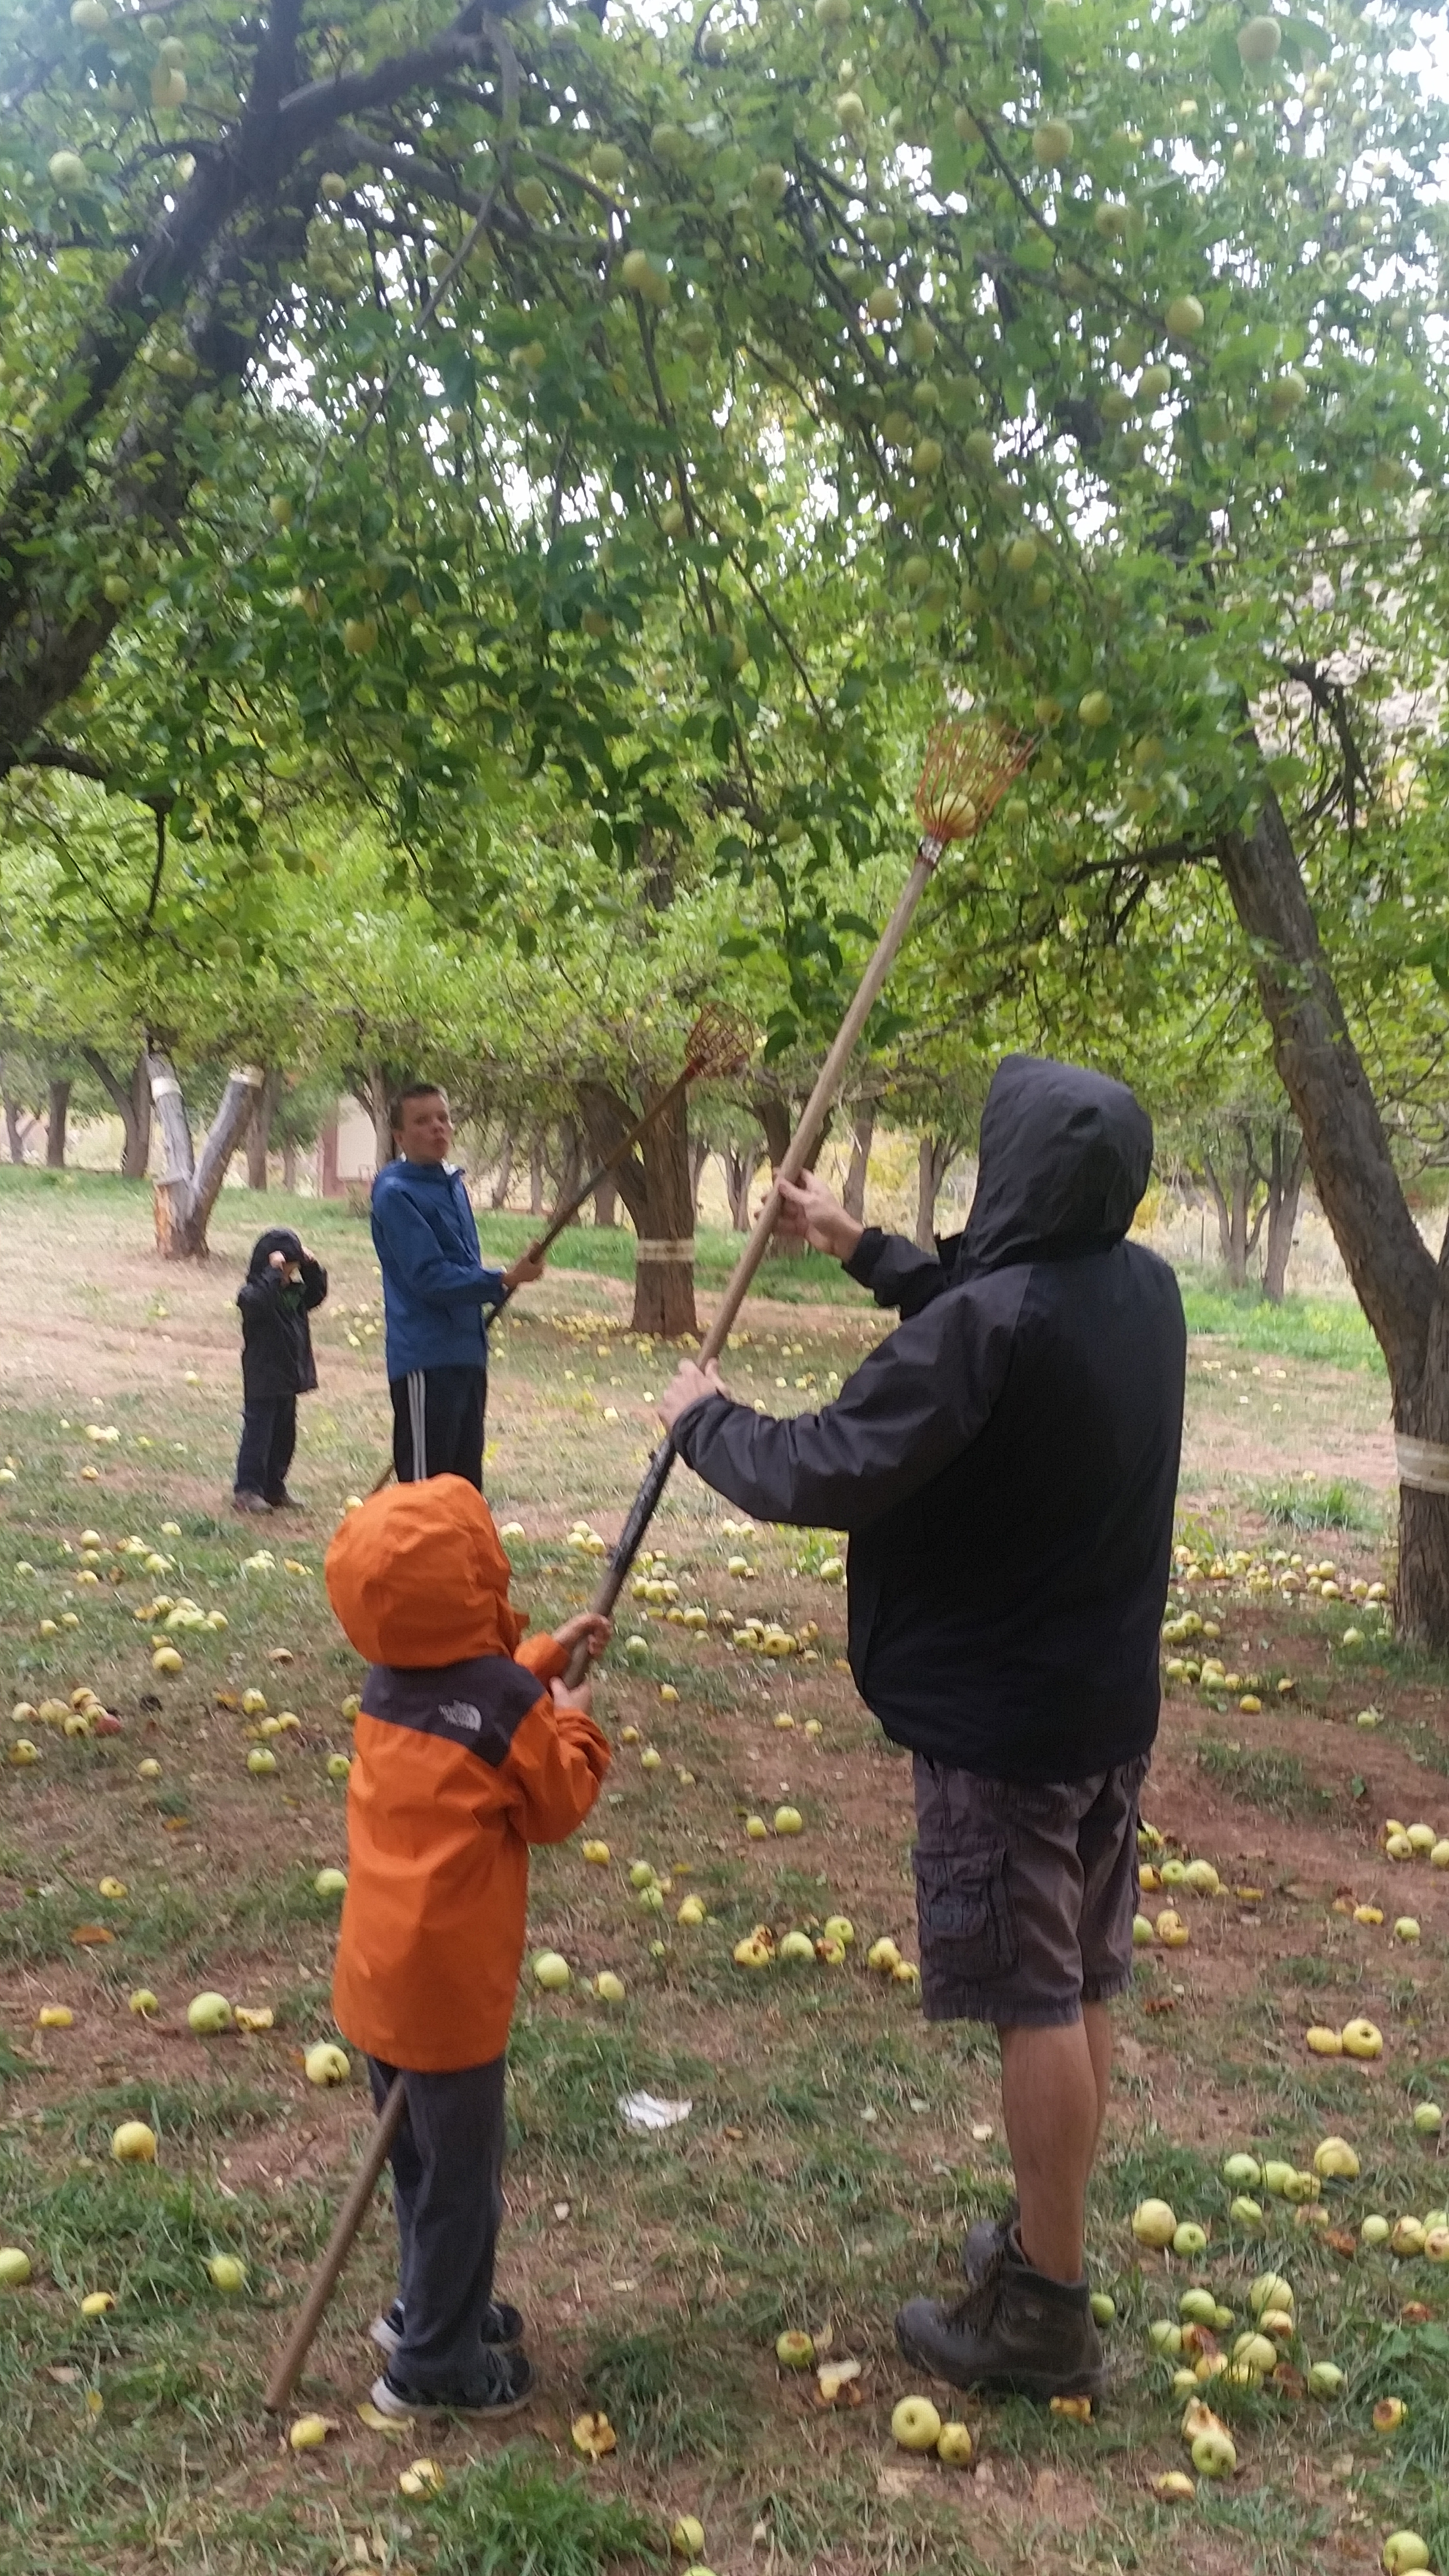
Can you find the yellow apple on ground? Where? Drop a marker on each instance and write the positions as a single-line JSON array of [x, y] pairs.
[[1154, 2223], [325, 2063], [1428, 2119], [54, 2017], [227, 2273], [143, 2001], [166, 1659], [915, 2424], [1362, 2038], [1245, 2212], [608, 1987], [788, 1820], [421, 2477], [797, 1946], [150, 1769], [687, 2536], [691, 1912], [597, 1853], [1243, 2171], [1376, 2230], [208, 2013], [97, 2303], [1325, 2379], [551, 1971], [330, 1882], [261, 1763], [756, 1829], [14, 2267], [1336, 2161], [309, 2432], [1174, 2486], [133, 2143], [1324, 2042], [795, 2350], [1389, 2414], [1189, 2240], [1270, 2290], [954, 2445], [1404, 2553], [1103, 2307], [1213, 2454]]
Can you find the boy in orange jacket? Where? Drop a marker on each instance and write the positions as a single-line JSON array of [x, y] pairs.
[[468, 1749]]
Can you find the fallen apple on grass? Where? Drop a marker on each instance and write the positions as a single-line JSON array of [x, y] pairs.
[[686, 2538], [1404, 2553], [1154, 2222], [208, 2013], [227, 2273], [325, 2063], [551, 1971], [310, 2432], [915, 2424], [143, 2001], [15, 2267], [794, 2349], [330, 1882], [133, 2143]]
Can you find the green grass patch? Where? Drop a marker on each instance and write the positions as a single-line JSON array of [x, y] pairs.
[[1334, 1329], [1275, 1781], [1309, 1505], [515, 2516], [671, 2394]]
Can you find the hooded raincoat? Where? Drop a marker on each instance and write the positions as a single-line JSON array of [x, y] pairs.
[[1006, 1461], [462, 1759], [276, 1336]]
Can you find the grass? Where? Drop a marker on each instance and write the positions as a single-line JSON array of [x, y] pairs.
[[1331, 1329], [837, 2145], [1275, 1781], [1307, 1505]]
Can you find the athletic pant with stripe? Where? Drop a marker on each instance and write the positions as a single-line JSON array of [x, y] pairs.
[[437, 1424]]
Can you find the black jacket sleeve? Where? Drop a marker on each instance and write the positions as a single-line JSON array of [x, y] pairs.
[[907, 1412], [896, 1272], [314, 1283]]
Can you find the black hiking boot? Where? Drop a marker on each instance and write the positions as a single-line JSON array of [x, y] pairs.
[[245, 1501], [1011, 2327], [984, 2236]]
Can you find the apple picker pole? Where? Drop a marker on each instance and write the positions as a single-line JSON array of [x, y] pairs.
[[969, 764]]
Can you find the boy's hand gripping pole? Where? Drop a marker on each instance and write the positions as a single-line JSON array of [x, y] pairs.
[[968, 766]]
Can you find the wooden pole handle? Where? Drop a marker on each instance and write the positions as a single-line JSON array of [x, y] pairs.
[[792, 1164], [324, 2280]]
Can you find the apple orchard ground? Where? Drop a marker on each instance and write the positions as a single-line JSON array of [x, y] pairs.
[[835, 2146]]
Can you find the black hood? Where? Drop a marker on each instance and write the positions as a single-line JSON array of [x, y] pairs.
[[278, 1238], [1064, 1160]]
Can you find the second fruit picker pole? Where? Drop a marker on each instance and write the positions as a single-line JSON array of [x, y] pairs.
[[968, 765]]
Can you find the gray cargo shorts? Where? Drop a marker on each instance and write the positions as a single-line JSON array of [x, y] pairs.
[[1024, 1894]]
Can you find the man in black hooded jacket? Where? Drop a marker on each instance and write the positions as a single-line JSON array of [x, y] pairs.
[[1006, 1466]]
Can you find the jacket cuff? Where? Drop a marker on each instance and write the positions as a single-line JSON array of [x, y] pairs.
[[542, 1655], [862, 1263], [687, 1423]]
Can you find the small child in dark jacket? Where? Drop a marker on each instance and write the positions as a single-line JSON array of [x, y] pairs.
[[283, 1283]]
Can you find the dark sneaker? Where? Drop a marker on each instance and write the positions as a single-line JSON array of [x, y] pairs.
[[285, 1502], [1012, 2327], [502, 2327], [504, 2385], [244, 1502], [984, 2236]]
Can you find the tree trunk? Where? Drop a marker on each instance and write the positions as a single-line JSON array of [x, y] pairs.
[[741, 1162], [14, 1138], [653, 1183], [289, 1162], [572, 1167], [698, 1157], [535, 1173], [862, 1136], [606, 1203], [1285, 1185], [55, 1125], [504, 1172], [1403, 1290], [934, 1158], [259, 1128], [1239, 1224], [132, 1104], [188, 1190]]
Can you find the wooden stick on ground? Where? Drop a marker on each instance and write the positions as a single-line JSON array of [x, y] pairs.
[[324, 2280]]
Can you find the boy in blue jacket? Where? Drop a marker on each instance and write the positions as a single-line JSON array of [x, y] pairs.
[[435, 1290]]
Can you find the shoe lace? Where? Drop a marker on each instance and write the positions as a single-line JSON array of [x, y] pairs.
[[975, 2305]]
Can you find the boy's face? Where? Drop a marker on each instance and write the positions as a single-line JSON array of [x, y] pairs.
[[426, 1129]]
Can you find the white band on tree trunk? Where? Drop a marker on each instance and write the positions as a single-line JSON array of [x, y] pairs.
[[665, 1248], [1424, 1464], [164, 1086]]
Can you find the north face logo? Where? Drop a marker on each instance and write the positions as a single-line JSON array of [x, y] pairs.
[[459, 1712]]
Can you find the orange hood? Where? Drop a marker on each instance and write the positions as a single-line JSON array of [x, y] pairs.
[[417, 1577]]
